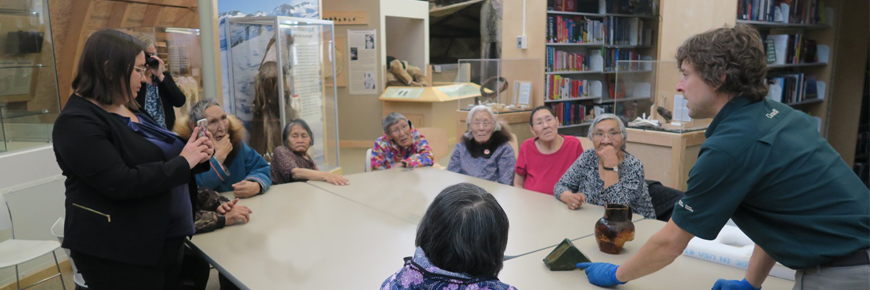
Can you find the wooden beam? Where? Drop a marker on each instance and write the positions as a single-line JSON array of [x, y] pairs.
[[118, 16], [188, 18], [76, 31], [152, 13]]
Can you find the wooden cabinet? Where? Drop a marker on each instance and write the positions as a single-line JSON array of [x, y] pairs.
[[667, 157]]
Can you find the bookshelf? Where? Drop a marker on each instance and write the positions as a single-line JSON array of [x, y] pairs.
[[584, 39], [799, 39]]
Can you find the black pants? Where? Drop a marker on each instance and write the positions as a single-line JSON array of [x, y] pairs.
[[102, 273]]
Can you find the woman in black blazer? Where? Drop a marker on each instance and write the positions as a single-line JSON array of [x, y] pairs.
[[130, 183]]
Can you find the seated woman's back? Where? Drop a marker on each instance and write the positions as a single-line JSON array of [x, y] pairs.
[[463, 219]]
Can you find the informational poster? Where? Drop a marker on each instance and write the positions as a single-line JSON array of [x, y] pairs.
[[362, 68]]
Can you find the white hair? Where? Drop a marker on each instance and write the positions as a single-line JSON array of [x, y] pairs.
[[603, 117], [475, 110]]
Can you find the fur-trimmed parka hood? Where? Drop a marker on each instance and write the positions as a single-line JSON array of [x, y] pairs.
[[183, 127]]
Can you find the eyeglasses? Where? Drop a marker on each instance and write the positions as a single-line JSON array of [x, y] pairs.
[[140, 69], [398, 129], [611, 135], [481, 124]]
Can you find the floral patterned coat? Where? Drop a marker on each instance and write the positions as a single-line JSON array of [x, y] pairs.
[[385, 153], [419, 273]]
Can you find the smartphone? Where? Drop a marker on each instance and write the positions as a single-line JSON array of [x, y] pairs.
[[203, 126]]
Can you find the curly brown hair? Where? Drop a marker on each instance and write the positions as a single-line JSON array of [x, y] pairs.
[[736, 53]]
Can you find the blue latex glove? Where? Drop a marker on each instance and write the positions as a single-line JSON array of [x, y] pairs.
[[723, 284], [601, 274]]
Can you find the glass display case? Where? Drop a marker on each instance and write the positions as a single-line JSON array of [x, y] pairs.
[[505, 85], [29, 101], [180, 50], [645, 97], [278, 69]]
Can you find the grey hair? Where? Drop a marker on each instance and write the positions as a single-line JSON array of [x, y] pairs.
[[145, 41], [475, 110], [603, 117], [392, 119], [197, 111]]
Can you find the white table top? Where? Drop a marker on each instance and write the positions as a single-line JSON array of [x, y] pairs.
[[301, 237], [529, 271], [537, 220]]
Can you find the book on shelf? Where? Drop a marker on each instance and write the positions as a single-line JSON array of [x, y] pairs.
[[561, 88], [794, 49], [784, 11], [607, 31], [642, 7], [578, 60], [790, 88], [569, 113]]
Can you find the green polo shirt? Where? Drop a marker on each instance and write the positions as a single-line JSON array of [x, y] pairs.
[[765, 166]]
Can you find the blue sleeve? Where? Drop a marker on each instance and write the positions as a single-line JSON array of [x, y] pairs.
[[454, 159], [214, 177], [257, 167], [506, 163]]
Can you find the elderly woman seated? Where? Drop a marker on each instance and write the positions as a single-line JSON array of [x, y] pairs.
[[400, 145], [460, 244], [484, 151], [291, 162], [606, 173], [544, 159]]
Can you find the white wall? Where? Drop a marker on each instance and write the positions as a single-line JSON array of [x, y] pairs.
[[30, 181]]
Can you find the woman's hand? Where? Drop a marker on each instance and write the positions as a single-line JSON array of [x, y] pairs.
[[224, 147], [227, 206], [573, 200], [196, 151], [239, 214], [157, 71], [335, 179], [608, 156]]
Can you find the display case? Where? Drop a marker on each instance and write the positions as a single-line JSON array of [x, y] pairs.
[[29, 101], [278, 69], [180, 50], [506, 85]]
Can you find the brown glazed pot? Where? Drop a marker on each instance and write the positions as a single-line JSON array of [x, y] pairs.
[[615, 228]]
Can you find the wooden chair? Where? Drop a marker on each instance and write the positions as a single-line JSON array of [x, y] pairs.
[[437, 138]]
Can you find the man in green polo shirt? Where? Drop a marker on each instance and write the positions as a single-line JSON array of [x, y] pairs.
[[765, 166]]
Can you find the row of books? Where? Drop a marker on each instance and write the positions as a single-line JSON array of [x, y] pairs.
[[794, 88], [605, 59], [561, 88], [794, 48], [569, 113], [607, 31], [785, 11], [641, 7]]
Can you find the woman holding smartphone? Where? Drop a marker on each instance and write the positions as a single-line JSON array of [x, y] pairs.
[[129, 185]]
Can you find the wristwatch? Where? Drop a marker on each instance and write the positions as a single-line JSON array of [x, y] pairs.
[[614, 169]]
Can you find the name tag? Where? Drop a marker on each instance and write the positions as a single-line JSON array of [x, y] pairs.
[[772, 114]]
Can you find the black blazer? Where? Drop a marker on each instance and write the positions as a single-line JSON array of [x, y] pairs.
[[170, 94], [118, 185]]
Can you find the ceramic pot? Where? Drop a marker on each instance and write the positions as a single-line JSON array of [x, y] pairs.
[[614, 228]]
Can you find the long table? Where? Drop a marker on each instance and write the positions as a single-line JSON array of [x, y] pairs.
[[537, 221], [302, 237], [529, 271]]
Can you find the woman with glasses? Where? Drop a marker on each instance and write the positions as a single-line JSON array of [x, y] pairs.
[[400, 146], [159, 93], [606, 173], [484, 151], [129, 182]]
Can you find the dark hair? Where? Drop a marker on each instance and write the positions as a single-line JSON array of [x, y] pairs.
[[105, 67], [464, 230], [736, 53], [296, 122], [532, 116]]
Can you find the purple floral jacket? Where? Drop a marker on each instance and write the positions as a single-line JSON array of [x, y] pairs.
[[419, 274]]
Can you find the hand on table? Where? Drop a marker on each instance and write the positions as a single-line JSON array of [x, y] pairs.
[[240, 214], [573, 200], [601, 274], [246, 188], [227, 206], [723, 284], [335, 179]]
